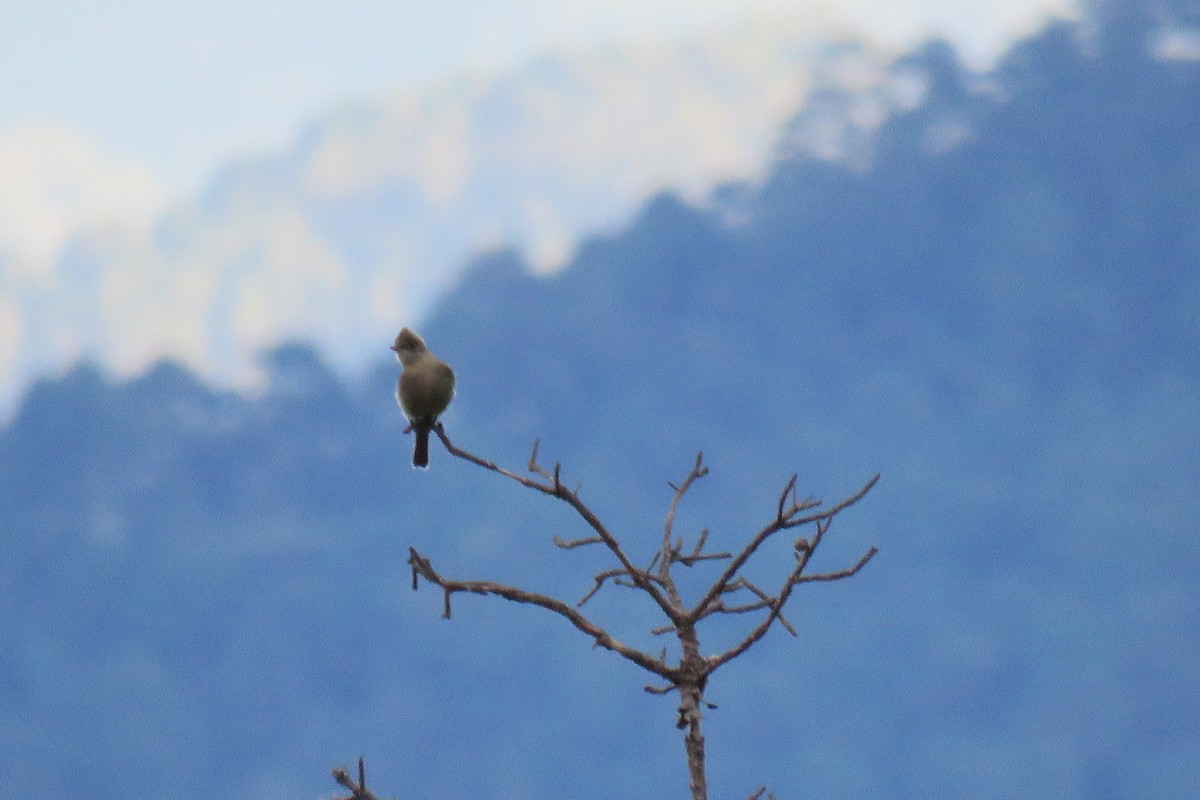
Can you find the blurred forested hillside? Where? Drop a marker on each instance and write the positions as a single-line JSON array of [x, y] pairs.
[[993, 301]]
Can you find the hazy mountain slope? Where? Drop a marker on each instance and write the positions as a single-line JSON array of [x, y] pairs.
[[999, 320], [376, 206]]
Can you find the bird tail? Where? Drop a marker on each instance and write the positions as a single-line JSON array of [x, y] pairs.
[[421, 446]]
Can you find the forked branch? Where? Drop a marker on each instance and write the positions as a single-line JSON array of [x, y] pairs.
[[358, 789], [786, 516], [775, 604], [421, 568]]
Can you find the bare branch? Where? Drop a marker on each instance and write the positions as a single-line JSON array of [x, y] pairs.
[[698, 471], [691, 560], [610, 541], [777, 603], [788, 489], [615, 576], [489, 465], [719, 586], [422, 567], [764, 601], [670, 551], [844, 573], [595, 588], [697, 553], [358, 791], [665, 689], [830, 513], [556, 489], [785, 518]]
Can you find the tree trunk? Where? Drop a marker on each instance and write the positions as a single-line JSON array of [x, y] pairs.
[[691, 698], [693, 742]]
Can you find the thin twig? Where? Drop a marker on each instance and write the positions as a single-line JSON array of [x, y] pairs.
[[698, 553], [691, 560], [615, 576], [669, 551], [833, 511], [698, 471], [358, 791], [664, 689], [790, 487], [571, 544], [842, 573]]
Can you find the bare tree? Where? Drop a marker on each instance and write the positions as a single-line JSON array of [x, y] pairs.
[[731, 593]]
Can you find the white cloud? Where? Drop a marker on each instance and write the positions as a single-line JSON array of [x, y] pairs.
[[54, 183], [12, 335]]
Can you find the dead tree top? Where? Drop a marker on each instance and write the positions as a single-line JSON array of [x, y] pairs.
[[731, 592]]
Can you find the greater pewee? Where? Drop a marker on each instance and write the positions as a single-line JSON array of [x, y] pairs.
[[425, 388]]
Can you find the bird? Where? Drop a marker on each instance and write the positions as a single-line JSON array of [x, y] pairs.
[[424, 389]]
